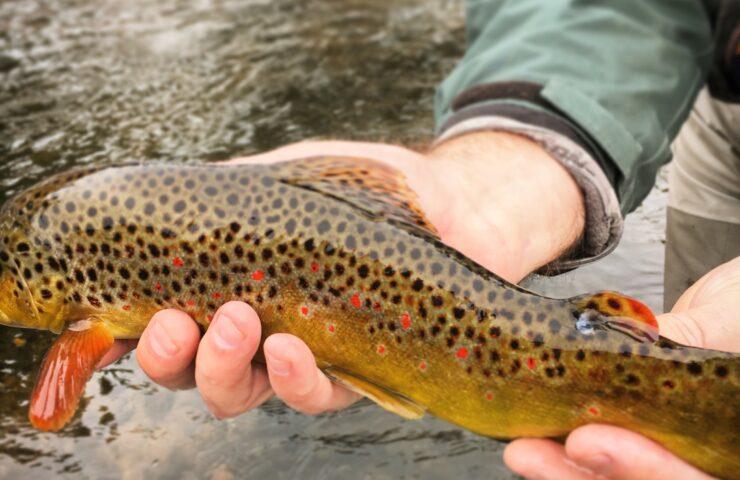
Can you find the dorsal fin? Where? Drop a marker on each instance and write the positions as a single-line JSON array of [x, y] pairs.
[[391, 401], [378, 189]]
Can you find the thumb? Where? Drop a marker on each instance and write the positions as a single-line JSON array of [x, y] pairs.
[[714, 326], [616, 454], [708, 313]]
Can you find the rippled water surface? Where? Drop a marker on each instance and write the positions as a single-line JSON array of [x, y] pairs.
[[88, 82]]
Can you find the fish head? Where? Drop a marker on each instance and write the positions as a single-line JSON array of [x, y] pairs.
[[614, 311], [31, 292]]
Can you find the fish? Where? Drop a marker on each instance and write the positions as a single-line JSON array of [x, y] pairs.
[[338, 252]]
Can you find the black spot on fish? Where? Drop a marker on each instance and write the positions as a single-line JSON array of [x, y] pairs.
[[363, 271], [694, 368]]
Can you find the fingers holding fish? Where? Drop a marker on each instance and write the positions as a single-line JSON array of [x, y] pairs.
[[536, 458], [597, 452], [167, 347], [706, 315], [228, 382], [296, 379], [619, 454], [119, 349]]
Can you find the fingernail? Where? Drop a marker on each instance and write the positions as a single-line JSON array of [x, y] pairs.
[[162, 343], [279, 364], [230, 332], [598, 463]]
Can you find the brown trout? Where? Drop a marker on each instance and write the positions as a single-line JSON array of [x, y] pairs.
[[338, 252]]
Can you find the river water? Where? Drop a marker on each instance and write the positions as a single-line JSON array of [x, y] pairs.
[[108, 81]]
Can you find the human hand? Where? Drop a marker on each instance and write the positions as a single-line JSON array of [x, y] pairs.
[[497, 198], [707, 315]]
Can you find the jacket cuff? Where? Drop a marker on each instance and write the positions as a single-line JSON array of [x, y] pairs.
[[604, 221]]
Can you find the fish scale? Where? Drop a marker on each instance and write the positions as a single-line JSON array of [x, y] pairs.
[[338, 252]]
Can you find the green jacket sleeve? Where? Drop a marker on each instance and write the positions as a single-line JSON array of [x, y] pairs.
[[617, 77]]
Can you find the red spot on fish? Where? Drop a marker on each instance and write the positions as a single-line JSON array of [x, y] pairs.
[[377, 307], [304, 311], [158, 287], [258, 275], [423, 366], [356, 301], [405, 321], [381, 349], [594, 412], [331, 328], [127, 307], [216, 296], [488, 396], [314, 267], [190, 303], [210, 318], [531, 363], [177, 262], [462, 353]]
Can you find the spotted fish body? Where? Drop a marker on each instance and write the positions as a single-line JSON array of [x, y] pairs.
[[337, 252]]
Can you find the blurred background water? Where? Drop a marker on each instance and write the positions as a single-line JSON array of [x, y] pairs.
[[110, 81]]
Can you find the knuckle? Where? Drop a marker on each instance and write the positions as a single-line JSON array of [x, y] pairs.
[[306, 401], [215, 410], [211, 375], [230, 409], [300, 396], [311, 411]]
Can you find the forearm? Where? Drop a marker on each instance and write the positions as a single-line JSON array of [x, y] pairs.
[[616, 78], [534, 209]]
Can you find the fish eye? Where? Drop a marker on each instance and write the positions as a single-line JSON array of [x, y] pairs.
[[584, 323]]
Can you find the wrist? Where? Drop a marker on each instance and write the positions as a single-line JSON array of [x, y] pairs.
[[503, 200]]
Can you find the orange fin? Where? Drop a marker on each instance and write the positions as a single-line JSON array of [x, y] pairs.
[[621, 313], [379, 190], [67, 367]]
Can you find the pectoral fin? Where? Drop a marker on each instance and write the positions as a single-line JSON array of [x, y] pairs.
[[391, 401], [67, 367]]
